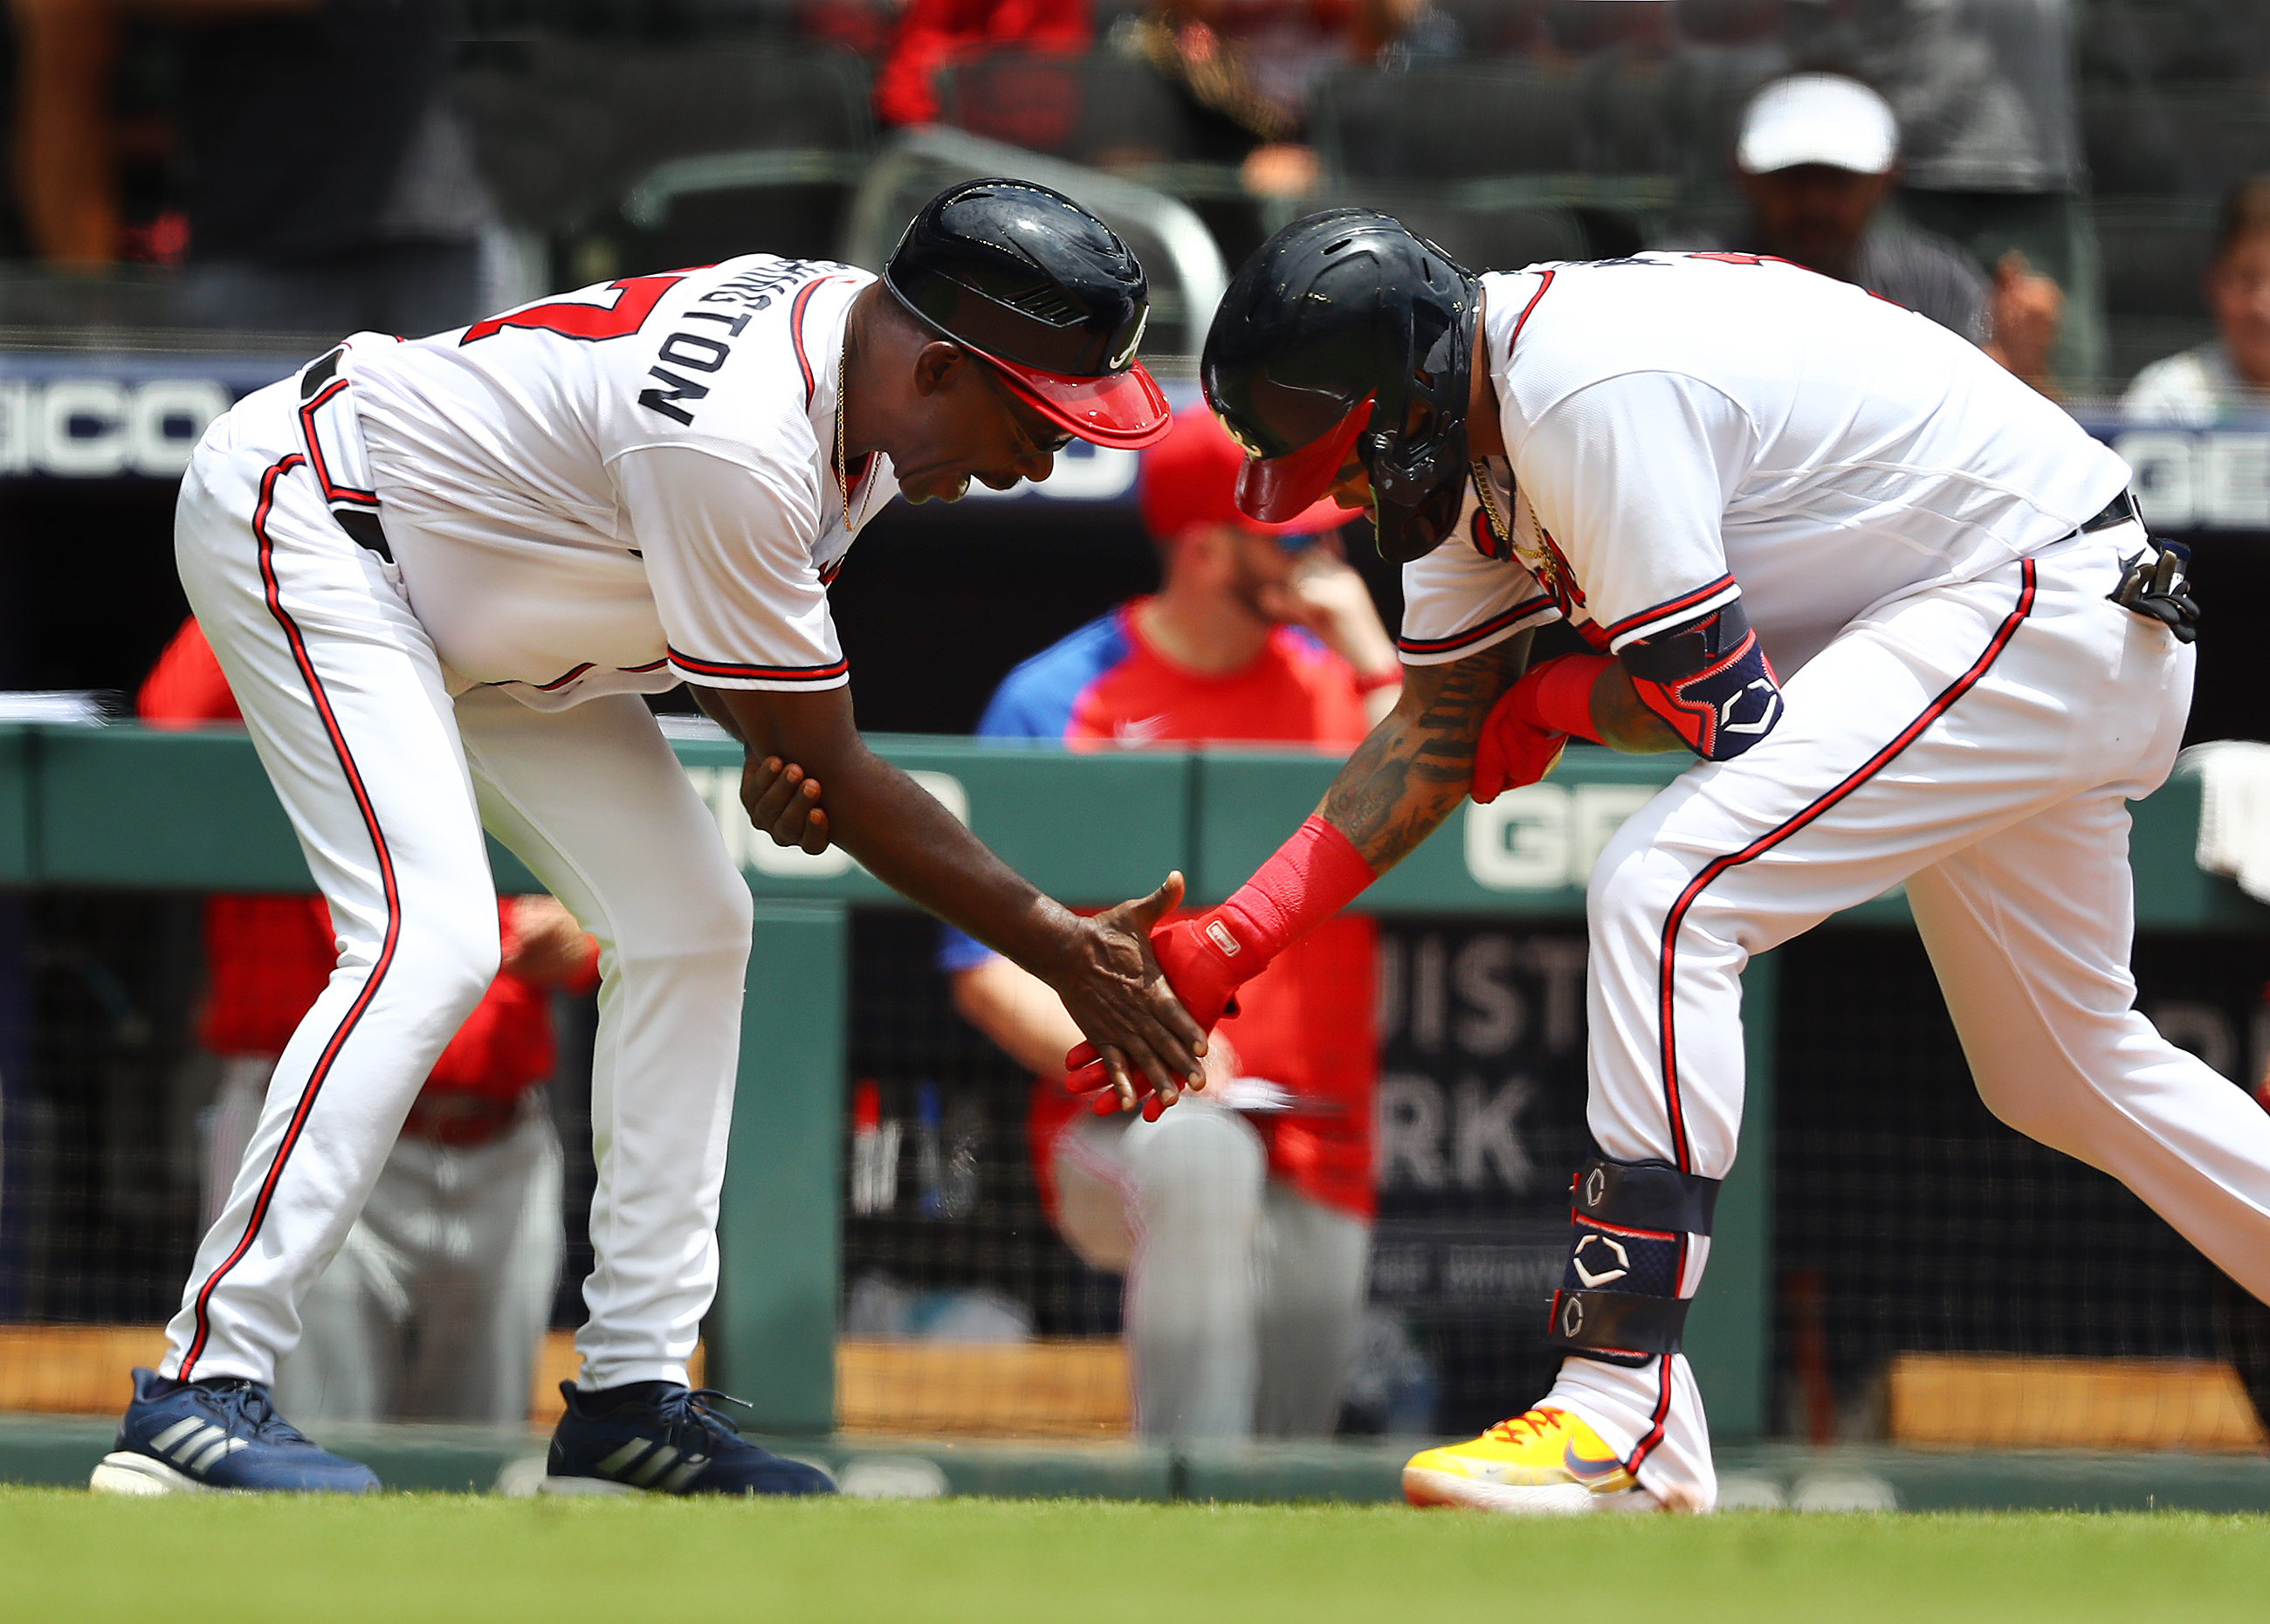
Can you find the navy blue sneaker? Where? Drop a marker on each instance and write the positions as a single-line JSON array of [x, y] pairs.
[[199, 1437], [663, 1439]]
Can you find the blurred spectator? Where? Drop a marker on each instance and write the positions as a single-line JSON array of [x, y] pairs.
[[862, 26], [1817, 156], [2230, 372], [1242, 1217], [330, 185], [934, 31], [1253, 62], [66, 184], [433, 1308]]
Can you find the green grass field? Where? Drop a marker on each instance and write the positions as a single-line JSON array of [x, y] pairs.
[[67, 1555]]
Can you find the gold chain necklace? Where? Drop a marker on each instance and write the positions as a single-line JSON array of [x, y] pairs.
[[1499, 529], [842, 466]]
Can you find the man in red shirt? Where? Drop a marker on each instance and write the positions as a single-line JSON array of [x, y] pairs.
[[434, 1306], [1241, 1219]]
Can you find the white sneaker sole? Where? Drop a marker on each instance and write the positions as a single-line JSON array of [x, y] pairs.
[[585, 1486], [125, 1473], [1422, 1487]]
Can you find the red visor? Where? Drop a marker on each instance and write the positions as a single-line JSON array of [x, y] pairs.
[[1277, 488], [1125, 409]]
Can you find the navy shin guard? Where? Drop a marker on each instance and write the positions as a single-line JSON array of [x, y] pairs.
[[1620, 1301]]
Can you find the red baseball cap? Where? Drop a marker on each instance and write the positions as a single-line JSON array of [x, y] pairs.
[[1189, 477]]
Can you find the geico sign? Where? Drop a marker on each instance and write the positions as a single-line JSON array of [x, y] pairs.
[[2206, 481], [1544, 837], [91, 428]]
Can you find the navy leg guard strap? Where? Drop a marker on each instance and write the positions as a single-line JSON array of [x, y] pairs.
[[1619, 1301]]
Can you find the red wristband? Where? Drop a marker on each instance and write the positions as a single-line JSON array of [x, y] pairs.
[[1557, 696], [1313, 875]]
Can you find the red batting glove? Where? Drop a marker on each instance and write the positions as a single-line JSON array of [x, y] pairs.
[[1203, 980], [1312, 876], [1512, 751]]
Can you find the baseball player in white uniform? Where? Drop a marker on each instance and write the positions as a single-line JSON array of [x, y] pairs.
[[439, 575], [1897, 604]]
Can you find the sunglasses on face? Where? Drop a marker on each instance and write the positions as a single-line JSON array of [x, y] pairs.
[[1037, 436]]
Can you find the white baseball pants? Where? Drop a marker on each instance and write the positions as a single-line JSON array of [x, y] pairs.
[[388, 781], [435, 1305], [1979, 742], [1244, 1296]]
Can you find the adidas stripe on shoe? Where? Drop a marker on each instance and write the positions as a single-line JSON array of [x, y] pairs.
[[659, 1438], [216, 1437]]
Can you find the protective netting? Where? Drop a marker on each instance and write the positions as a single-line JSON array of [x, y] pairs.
[[1938, 1279]]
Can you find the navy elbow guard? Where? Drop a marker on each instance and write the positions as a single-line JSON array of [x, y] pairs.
[[1710, 681], [1620, 1300]]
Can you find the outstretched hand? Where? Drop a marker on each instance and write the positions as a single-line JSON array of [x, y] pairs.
[[1200, 980], [1143, 1072], [783, 802]]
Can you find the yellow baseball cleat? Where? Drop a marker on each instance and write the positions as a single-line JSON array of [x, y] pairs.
[[1547, 1462]]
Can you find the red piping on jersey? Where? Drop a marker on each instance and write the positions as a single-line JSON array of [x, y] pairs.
[[1522, 319], [774, 673], [1669, 606], [331, 492], [1474, 634], [795, 336], [379, 968], [1874, 764], [565, 677]]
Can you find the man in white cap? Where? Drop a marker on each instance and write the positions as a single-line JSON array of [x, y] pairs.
[[1817, 155]]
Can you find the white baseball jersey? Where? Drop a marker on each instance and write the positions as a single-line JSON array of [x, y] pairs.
[[624, 487], [1688, 428]]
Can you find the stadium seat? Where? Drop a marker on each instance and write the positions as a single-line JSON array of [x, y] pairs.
[[2146, 140], [1629, 116], [1481, 239], [708, 151], [1185, 267], [2154, 253], [1434, 125], [1099, 107]]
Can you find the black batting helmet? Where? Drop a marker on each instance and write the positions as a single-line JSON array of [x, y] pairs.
[[1327, 338], [1033, 283]]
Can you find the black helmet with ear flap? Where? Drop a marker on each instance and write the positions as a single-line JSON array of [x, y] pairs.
[[1348, 332]]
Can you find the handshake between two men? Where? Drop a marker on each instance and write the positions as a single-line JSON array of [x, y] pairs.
[[1478, 727]]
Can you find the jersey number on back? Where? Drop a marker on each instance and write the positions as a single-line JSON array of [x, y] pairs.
[[635, 298]]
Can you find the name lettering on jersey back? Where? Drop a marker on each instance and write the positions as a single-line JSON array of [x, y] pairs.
[[707, 350], [694, 352]]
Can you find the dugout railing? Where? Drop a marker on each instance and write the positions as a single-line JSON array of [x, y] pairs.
[[119, 806]]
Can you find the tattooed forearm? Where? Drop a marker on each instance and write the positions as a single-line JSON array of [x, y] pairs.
[[1418, 763]]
